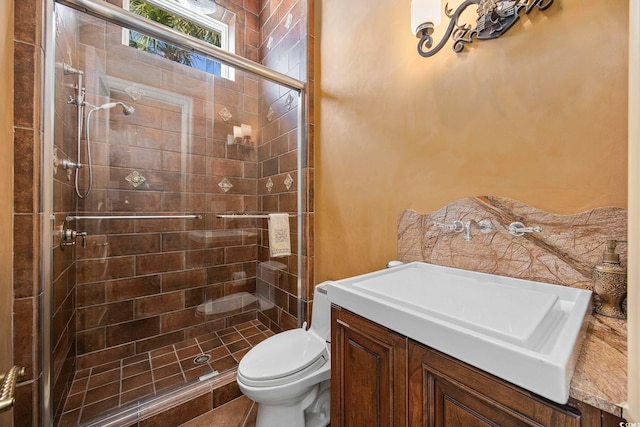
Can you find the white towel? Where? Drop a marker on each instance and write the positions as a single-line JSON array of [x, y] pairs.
[[279, 239]]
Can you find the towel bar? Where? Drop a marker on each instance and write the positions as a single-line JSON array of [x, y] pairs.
[[71, 217], [247, 216]]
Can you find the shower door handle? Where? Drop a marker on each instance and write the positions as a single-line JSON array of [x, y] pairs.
[[8, 388]]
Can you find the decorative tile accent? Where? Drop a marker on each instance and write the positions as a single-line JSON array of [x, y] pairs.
[[135, 179], [225, 114], [270, 114], [225, 185], [269, 185], [288, 181], [289, 21], [289, 101], [135, 92]]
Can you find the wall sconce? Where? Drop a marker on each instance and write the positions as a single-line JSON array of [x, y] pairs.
[[495, 17], [241, 135]]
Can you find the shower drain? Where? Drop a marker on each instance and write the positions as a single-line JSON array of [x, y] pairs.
[[203, 358]]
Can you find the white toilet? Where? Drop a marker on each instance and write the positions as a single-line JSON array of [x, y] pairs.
[[288, 374]]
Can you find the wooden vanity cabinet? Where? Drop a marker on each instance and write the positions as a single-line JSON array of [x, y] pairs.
[[368, 373], [446, 392], [381, 378]]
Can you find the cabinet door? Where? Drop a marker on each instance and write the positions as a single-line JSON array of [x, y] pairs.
[[446, 392], [368, 373]]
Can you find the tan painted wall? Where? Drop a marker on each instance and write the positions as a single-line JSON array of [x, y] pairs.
[[6, 190], [633, 274], [539, 115]]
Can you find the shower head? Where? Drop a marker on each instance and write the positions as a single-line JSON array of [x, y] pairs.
[[127, 110]]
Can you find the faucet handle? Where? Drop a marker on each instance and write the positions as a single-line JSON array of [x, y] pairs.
[[68, 236], [456, 226], [82, 234], [518, 229], [486, 226]]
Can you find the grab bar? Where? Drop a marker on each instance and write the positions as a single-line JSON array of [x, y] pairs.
[[8, 388], [71, 217], [248, 216]]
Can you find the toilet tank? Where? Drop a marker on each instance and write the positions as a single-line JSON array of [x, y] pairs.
[[321, 313]]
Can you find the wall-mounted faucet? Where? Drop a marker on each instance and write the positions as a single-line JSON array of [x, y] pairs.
[[485, 226]]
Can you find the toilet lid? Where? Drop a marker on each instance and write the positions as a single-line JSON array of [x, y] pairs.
[[283, 358]]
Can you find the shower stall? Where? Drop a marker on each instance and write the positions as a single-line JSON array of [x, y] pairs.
[[163, 173]]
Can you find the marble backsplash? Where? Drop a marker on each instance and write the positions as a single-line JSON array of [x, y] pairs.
[[564, 252]]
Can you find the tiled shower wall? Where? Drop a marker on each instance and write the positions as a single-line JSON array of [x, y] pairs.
[[28, 134], [269, 156], [284, 45]]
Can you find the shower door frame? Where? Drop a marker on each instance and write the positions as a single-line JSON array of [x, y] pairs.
[[121, 17]]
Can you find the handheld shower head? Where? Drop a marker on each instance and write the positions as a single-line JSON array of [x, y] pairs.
[[126, 109]]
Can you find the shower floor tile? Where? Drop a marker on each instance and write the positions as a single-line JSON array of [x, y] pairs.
[[104, 389]]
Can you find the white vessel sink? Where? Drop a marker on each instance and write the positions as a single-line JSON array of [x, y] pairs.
[[525, 332]]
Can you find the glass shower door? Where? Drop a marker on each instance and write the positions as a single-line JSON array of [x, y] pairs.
[[164, 278]]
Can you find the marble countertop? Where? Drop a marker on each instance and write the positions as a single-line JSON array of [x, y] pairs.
[[600, 377]]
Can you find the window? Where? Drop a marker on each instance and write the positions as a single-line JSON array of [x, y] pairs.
[[196, 18]]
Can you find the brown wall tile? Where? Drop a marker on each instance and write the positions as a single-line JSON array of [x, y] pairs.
[[24, 260], [130, 244], [24, 339], [239, 254], [132, 331], [89, 341], [26, 74], [183, 279], [25, 185], [158, 263], [105, 314], [90, 294], [159, 304], [27, 17], [117, 290], [179, 320], [101, 269], [26, 406]]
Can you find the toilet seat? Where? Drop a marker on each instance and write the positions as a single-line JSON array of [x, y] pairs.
[[283, 358]]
